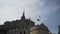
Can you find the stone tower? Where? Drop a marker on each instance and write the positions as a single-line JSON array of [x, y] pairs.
[[39, 29]]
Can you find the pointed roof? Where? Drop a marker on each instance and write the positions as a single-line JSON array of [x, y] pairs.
[[23, 13], [42, 25]]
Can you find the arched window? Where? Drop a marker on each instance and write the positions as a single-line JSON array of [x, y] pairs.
[[20, 32], [26, 26], [24, 32]]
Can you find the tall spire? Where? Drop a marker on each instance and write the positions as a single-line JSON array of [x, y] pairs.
[[23, 16], [23, 13]]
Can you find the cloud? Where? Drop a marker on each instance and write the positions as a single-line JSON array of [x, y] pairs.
[[33, 8], [13, 9]]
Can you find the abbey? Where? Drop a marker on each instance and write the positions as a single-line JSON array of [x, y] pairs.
[[23, 26]]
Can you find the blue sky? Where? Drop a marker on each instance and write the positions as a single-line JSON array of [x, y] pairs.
[[49, 10], [53, 21]]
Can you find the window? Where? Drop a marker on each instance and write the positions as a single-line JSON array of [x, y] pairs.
[[22, 26], [26, 27], [24, 32], [18, 27], [20, 32]]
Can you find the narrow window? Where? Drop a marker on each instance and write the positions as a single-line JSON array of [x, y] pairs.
[[20, 32], [24, 32], [26, 27]]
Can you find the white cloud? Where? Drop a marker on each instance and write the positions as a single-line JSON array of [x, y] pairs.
[[12, 9]]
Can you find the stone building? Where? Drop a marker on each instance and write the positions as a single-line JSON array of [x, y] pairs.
[[19, 26], [39, 29], [2, 31], [22, 26]]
